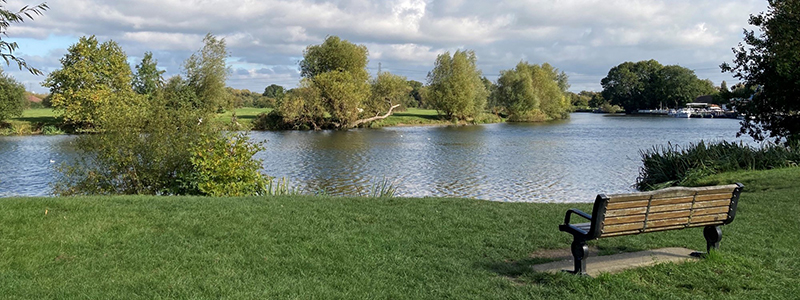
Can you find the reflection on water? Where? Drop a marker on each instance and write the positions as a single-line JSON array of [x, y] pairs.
[[566, 161]]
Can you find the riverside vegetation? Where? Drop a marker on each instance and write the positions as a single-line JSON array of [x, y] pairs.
[[322, 247]]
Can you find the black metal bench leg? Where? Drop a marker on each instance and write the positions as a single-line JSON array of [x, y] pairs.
[[713, 235], [579, 253]]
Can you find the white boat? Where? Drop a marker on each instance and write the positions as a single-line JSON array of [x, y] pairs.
[[684, 113]]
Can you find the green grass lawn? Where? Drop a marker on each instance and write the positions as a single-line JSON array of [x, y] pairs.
[[345, 248], [31, 122], [244, 115]]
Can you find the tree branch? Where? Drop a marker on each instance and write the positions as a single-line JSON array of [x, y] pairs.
[[375, 118]]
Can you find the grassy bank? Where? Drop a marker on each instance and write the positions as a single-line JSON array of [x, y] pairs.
[[44, 120], [33, 121], [329, 248]]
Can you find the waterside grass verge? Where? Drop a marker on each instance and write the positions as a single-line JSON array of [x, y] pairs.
[[329, 247]]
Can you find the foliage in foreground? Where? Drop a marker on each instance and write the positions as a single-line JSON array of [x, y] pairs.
[[770, 61], [7, 17], [300, 247], [673, 165]]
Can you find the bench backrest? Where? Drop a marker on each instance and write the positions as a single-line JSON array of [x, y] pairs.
[[665, 209]]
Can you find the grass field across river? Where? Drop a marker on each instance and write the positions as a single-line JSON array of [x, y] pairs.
[[33, 120], [329, 248]]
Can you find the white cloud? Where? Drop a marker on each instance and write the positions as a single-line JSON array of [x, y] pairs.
[[584, 38]]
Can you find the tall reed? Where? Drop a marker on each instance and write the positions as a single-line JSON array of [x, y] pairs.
[[672, 165]]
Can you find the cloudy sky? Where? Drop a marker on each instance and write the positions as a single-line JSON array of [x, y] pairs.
[[266, 38]]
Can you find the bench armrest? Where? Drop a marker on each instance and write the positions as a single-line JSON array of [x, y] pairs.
[[577, 212]]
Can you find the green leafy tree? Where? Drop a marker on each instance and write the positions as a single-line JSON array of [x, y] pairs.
[[630, 85], [335, 84], [415, 94], [388, 90], [770, 61], [676, 86], [343, 96], [455, 88], [532, 93], [274, 91], [648, 84], [12, 97], [93, 78], [335, 54], [206, 72], [148, 79], [7, 17]]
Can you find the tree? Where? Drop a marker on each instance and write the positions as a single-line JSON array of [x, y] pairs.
[[6, 18], [770, 62], [675, 86], [335, 54], [148, 79], [335, 83], [93, 78], [648, 84], [206, 72], [389, 91], [532, 93], [630, 85], [455, 88], [415, 95], [12, 97], [274, 91]]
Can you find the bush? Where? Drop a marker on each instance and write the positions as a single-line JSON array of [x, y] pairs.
[[160, 150], [225, 167], [671, 165]]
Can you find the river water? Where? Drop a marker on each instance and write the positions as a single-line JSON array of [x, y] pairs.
[[564, 161]]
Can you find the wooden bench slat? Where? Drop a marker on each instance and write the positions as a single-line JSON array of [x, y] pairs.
[[628, 197], [669, 215], [668, 222], [714, 203], [623, 227], [674, 192], [676, 200], [710, 211], [664, 228], [628, 204], [626, 212], [712, 197], [671, 207], [709, 218], [623, 220], [719, 189], [620, 233]]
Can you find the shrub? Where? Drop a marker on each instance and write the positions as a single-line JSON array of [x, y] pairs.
[[672, 165], [225, 167]]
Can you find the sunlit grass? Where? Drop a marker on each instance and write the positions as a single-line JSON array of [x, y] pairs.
[[307, 247]]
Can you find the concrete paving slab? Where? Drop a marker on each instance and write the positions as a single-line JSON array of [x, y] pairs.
[[620, 262]]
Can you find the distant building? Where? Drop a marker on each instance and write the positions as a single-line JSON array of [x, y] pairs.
[[33, 98], [704, 99]]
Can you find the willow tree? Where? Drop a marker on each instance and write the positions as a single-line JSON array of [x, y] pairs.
[[206, 72], [335, 90], [531, 93], [455, 88]]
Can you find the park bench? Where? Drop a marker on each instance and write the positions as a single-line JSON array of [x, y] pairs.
[[660, 210]]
